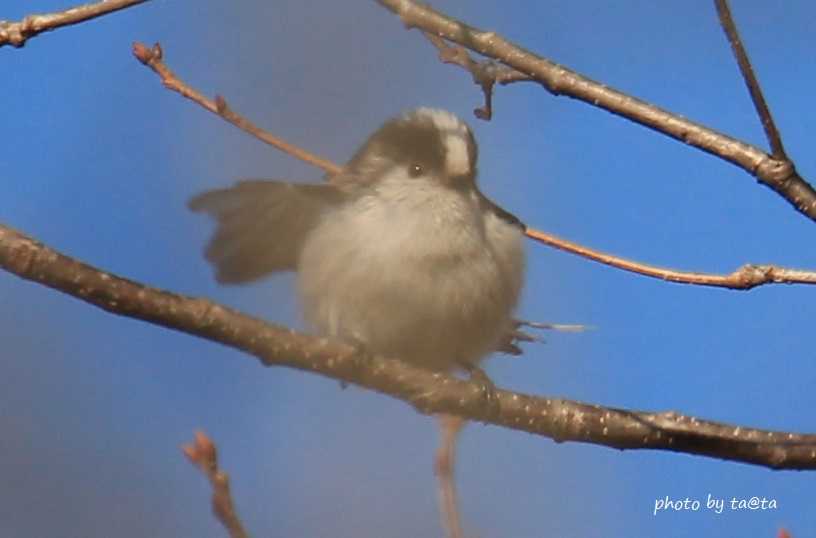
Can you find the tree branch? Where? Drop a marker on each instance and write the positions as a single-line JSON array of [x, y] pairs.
[[17, 33], [152, 58], [748, 75], [776, 173], [203, 454], [747, 277], [486, 73], [429, 392]]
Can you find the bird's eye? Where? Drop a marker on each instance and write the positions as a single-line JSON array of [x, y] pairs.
[[415, 170]]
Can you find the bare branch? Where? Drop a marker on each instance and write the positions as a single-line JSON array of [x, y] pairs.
[[771, 132], [203, 454], [152, 58], [17, 33], [747, 277], [429, 392], [485, 73], [444, 466], [777, 174]]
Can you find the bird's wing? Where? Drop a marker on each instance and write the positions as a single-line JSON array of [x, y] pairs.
[[261, 225]]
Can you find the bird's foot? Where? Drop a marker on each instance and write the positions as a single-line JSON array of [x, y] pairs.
[[489, 392], [360, 357]]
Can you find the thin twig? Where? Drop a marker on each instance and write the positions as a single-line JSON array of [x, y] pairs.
[[486, 69], [152, 57], [203, 454], [17, 33], [429, 392], [777, 174], [485, 73], [747, 277], [749, 76], [445, 467]]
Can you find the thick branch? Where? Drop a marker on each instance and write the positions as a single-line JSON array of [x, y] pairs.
[[778, 174], [17, 33], [747, 277], [430, 392]]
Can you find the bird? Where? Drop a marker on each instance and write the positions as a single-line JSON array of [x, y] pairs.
[[399, 252]]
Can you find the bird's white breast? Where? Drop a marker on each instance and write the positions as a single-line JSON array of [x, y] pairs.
[[422, 275]]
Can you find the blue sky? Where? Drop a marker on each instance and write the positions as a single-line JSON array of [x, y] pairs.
[[98, 161]]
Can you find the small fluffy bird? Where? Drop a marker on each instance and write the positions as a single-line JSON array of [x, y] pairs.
[[399, 252]]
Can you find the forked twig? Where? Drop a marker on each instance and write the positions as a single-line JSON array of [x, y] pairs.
[[779, 174], [485, 73]]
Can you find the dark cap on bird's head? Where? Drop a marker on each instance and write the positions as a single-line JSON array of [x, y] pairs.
[[427, 140]]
